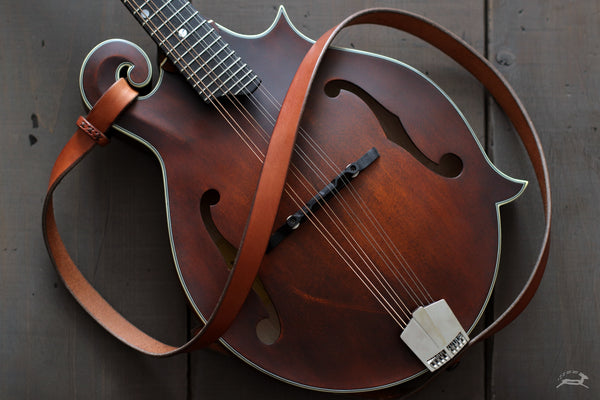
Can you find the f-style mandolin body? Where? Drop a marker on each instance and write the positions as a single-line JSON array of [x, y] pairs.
[[419, 224]]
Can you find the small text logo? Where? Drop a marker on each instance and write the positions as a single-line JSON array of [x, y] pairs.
[[572, 378]]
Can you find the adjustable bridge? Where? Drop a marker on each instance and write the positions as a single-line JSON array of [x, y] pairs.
[[293, 221]]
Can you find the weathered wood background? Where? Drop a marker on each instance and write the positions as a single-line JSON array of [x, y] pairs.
[[113, 218]]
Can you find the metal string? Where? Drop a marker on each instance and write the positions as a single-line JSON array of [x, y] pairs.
[[296, 198], [163, 40]]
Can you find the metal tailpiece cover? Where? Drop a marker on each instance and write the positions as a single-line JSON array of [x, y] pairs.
[[434, 334]]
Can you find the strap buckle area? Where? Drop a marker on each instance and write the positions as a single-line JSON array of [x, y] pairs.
[[96, 134]]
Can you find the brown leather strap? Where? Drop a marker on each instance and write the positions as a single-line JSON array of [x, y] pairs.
[[88, 134], [252, 249], [272, 179]]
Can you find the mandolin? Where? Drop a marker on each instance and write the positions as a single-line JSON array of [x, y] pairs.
[[377, 256]]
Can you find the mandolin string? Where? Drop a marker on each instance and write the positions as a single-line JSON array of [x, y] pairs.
[[387, 287], [371, 269], [369, 214], [365, 231], [390, 244], [158, 31], [387, 240], [361, 278], [309, 191], [165, 39], [349, 210], [213, 96], [259, 159], [374, 223]]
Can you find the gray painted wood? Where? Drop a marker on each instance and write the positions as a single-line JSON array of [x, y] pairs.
[[549, 52], [109, 210], [112, 216]]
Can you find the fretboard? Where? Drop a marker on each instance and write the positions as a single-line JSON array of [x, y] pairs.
[[194, 47]]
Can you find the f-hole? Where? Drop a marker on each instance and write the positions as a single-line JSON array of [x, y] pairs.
[[267, 329], [449, 166]]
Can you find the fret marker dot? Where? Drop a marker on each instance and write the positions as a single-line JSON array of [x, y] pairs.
[[182, 33], [145, 13]]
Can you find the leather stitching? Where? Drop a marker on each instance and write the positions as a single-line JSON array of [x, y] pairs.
[[96, 134]]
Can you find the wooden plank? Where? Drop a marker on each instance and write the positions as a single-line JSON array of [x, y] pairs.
[[50, 348], [215, 375], [110, 211], [549, 52]]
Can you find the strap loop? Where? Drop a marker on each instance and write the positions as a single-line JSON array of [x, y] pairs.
[[97, 135]]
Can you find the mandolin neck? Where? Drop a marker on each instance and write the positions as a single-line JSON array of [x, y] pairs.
[[194, 47]]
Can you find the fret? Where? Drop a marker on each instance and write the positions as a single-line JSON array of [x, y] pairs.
[[223, 60], [138, 9], [190, 33], [205, 65], [172, 49], [201, 24], [196, 85], [217, 77], [205, 50], [178, 29], [169, 19], [254, 80], [176, 60], [216, 53], [161, 43], [240, 80], [201, 91], [230, 76], [149, 18], [210, 30], [214, 69], [198, 55]]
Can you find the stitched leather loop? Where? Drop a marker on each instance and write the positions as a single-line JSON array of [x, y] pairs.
[[98, 136]]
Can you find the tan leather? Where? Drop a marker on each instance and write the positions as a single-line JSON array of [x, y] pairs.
[[270, 186], [106, 110]]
